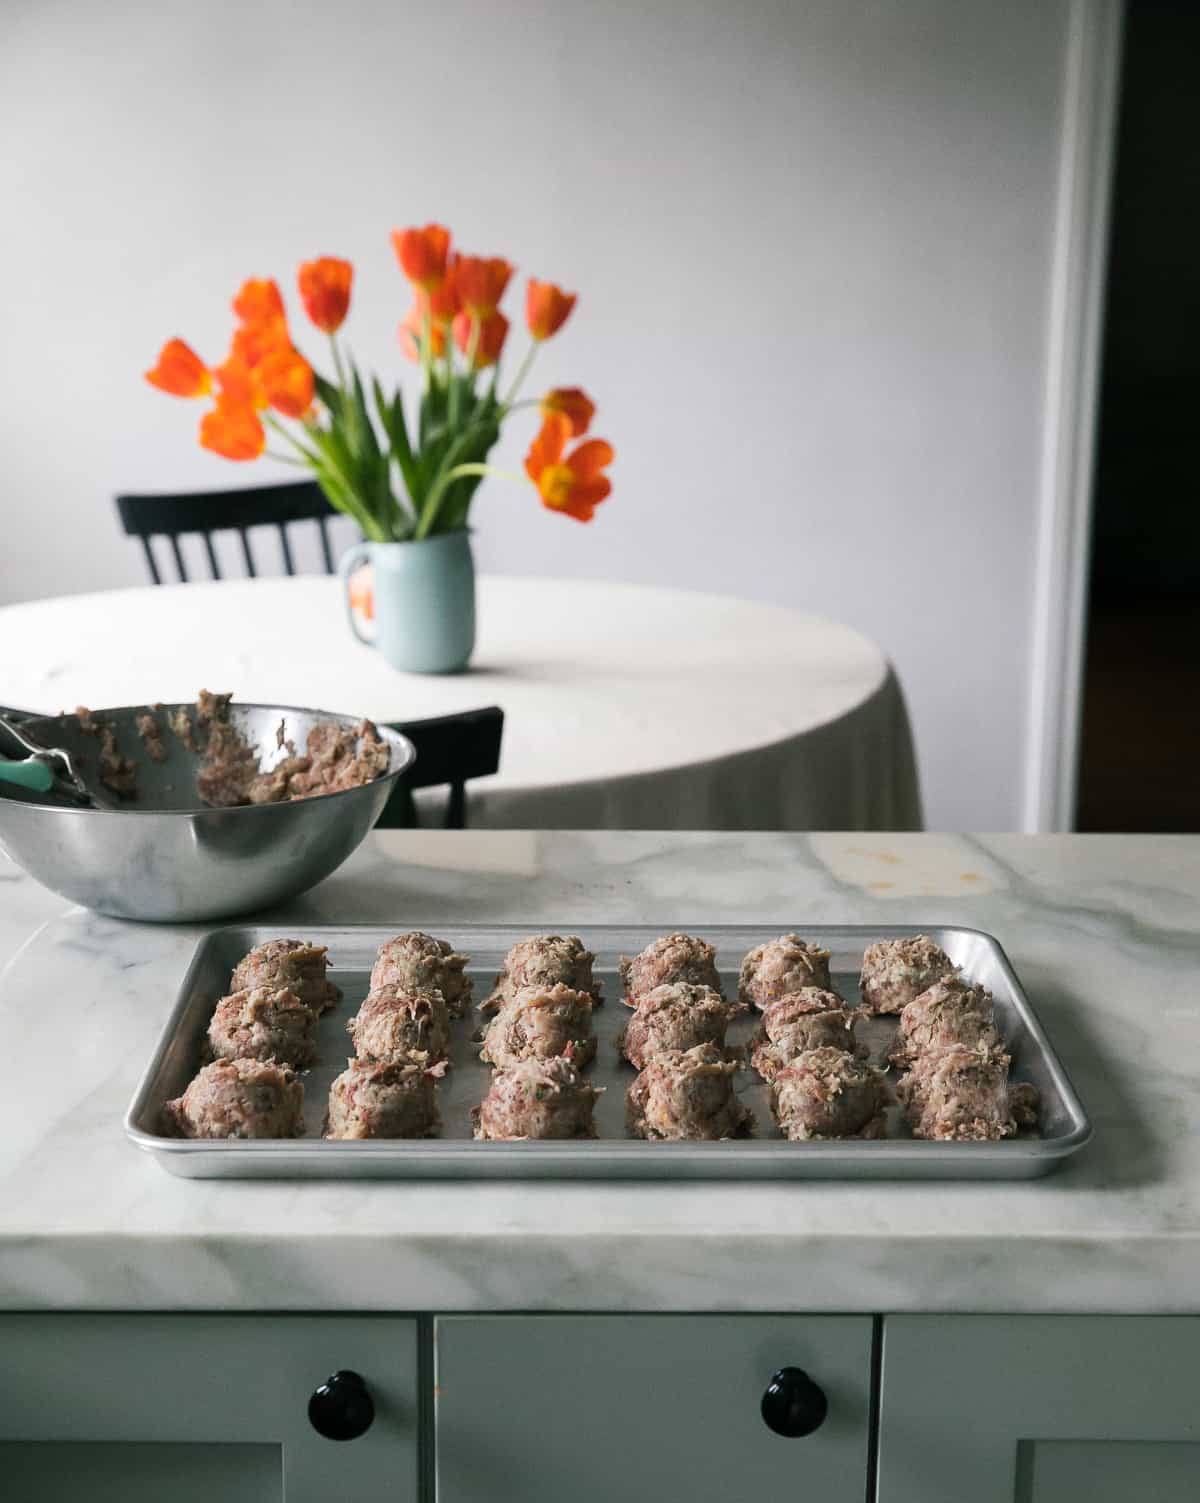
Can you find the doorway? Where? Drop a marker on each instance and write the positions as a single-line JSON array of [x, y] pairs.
[[1139, 767]]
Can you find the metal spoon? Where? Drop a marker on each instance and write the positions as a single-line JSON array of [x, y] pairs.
[[56, 760]]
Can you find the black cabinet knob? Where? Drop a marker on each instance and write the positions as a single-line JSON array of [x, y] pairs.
[[793, 1404], [341, 1409]]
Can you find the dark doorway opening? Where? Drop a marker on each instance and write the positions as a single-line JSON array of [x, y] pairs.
[[1140, 734]]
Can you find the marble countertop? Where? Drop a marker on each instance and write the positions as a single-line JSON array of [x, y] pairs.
[[1105, 932]]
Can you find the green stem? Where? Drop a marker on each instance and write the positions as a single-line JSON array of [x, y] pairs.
[[426, 347], [522, 372], [434, 500], [472, 351], [301, 464], [339, 370]]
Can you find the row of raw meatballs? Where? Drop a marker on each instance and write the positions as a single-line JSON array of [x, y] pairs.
[[955, 1082], [541, 1039], [540, 1029], [263, 1032], [954, 1085], [259, 1035], [676, 1039]]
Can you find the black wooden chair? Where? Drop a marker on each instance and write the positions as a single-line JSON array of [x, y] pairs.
[[206, 512], [451, 750]]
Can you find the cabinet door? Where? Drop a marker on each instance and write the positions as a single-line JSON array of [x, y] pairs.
[[645, 1408], [188, 1407], [1039, 1409]]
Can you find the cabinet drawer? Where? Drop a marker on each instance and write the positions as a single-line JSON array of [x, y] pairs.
[[645, 1408], [1041, 1409], [191, 1407]]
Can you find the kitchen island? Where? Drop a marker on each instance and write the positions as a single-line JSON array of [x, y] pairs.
[[1105, 933]]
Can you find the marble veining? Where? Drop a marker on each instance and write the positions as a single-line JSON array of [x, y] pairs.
[[1105, 932]]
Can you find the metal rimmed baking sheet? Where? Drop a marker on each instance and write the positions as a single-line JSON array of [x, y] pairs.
[[1064, 1128]]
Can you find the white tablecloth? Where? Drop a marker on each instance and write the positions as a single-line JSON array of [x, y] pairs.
[[625, 707]]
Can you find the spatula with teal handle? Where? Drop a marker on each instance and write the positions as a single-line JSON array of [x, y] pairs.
[[33, 776]]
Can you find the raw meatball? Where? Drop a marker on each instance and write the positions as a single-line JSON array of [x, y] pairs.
[[263, 1023], [895, 971], [384, 1099], [540, 1023], [686, 1094], [240, 1098], [811, 1018], [678, 1016], [544, 960], [677, 957], [393, 1024], [950, 1012], [291, 963], [537, 1098], [784, 965], [417, 962], [827, 1093], [959, 1095]]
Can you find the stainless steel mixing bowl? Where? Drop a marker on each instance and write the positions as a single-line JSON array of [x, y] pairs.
[[168, 857]]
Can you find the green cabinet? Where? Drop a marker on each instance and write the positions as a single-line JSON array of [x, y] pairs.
[[592, 1408], [645, 1408], [1040, 1409], [134, 1408]]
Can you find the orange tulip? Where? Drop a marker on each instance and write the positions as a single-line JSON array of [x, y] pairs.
[[574, 404], [325, 291], [232, 430], [412, 331], [252, 343], [481, 281], [422, 253], [258, 301], [444, 301], [179, 371], [570, 483], [493, 330], [362, 592], [547, 308], [287, 382], [239, 383]]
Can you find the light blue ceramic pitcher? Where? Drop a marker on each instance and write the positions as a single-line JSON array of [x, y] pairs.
[[424, 601]]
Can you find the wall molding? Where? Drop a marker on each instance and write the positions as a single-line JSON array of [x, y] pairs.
[[1075, 331]]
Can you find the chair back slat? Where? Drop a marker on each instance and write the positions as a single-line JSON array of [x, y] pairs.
[[326, 550], [172, 516], [289, 566], [151, 562]]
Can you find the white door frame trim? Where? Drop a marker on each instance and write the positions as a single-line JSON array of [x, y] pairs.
[[1075, 319]]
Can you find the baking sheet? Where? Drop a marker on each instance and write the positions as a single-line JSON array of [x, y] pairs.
[[1064, 1126]]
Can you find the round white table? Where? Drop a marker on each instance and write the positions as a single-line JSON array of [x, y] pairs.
[[625, 707]]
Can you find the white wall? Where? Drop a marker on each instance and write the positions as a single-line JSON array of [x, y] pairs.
[[813, 242]]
